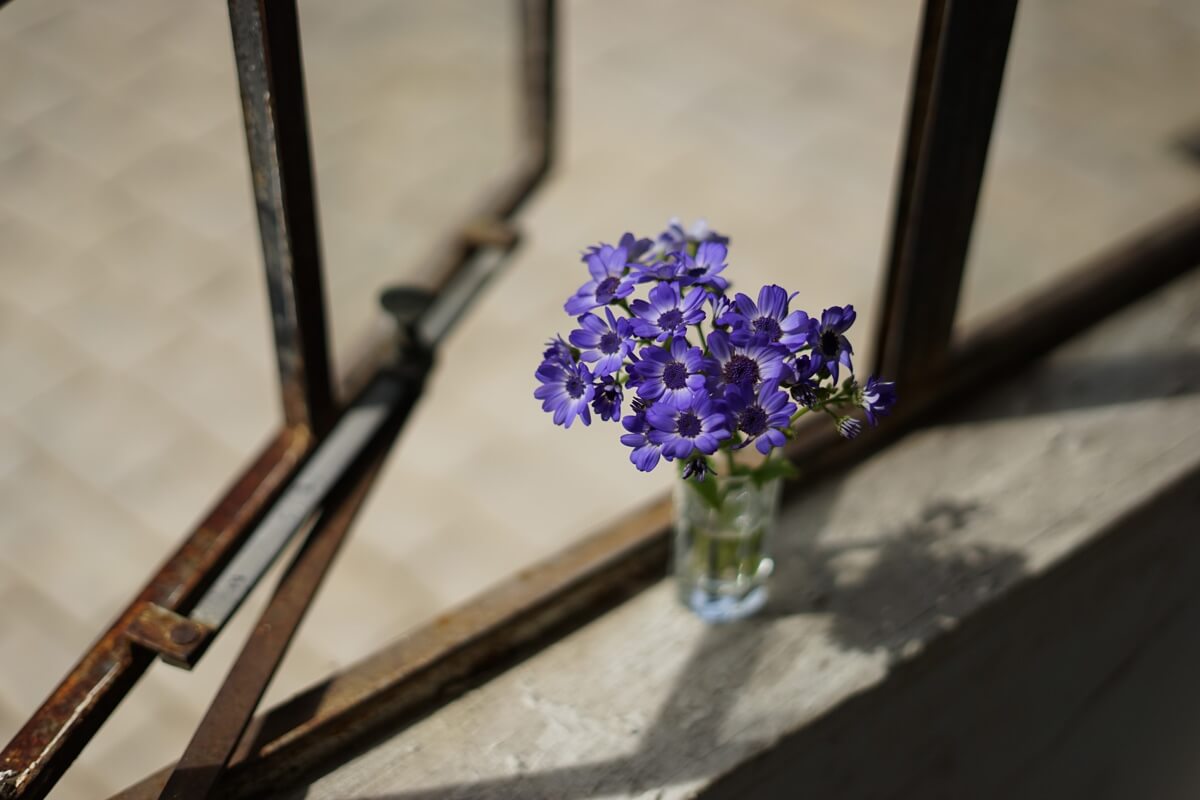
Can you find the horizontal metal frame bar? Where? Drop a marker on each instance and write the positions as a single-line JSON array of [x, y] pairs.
[[540, 605]]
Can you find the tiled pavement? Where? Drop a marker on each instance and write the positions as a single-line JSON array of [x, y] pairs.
[[135, 364]]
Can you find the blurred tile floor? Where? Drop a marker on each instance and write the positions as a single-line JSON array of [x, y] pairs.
[[135, 356]]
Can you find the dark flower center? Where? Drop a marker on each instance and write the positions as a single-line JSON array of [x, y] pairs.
[[829, 343], [740, 369], [575, 386], [670, 320], [688, 425], [768, 326], [675, 375], [610, 342], [607, 289], [753, 421], [696, 272]]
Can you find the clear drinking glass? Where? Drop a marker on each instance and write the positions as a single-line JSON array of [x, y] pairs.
[[722, 557]]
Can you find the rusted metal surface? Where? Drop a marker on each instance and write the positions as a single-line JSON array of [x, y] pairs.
[[266, 45], [51, 739], [177, 639], [232, 708], [537, 606], [949, 133], [441, 659]]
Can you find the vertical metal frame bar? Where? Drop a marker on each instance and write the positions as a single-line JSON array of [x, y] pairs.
[[919, 87], [957, 79], [266, 44]]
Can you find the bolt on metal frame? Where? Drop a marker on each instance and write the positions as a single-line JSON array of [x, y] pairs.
[[958, 68]]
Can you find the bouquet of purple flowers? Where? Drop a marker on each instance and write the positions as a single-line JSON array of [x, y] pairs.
[[704, 372]]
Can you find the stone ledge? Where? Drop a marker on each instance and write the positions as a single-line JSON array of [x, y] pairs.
[[989, 585]]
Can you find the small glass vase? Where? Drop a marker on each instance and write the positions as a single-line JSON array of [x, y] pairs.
[[723, 532]]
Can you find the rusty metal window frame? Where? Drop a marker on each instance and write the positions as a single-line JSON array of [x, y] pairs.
[[957, 74]]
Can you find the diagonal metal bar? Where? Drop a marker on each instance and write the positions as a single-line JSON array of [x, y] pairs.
[[214, 741], [266, 45], [359, 427], [394, 395], [52, 738], [959, 69]]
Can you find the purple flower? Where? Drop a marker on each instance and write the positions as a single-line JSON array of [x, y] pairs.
[[670, 375], [763, 417], [566, 390], [607, 400], [607, 265], [635, 248], [645, 453], [695, 426], [559, 352], [675, 238], [877, 398], [606, 344], [830, 346], [744, 364], [702, 269], [697, 468], [800, 367], [803, 382], [768, 319], [669, 268], [668, 313], [721, 307]]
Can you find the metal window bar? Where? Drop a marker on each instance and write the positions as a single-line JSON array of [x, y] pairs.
[[266, 47], [959, 73]]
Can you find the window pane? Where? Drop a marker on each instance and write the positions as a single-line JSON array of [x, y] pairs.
[[414, 113], [1090, 141]]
